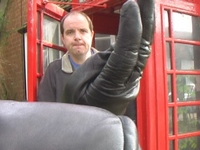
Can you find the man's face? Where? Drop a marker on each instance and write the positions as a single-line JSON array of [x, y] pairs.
[[77, 37]]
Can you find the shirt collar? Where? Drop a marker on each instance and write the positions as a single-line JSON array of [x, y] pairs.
[[66, 64]]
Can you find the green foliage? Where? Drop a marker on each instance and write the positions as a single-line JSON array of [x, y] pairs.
[[3, 32], [187, 119], [2, 20], [188, 144], [5, 92]]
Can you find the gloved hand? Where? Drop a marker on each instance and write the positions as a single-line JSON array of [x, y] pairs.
[[110, 79]]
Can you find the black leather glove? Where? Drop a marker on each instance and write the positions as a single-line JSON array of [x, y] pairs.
[[147, 12], [110, 79]]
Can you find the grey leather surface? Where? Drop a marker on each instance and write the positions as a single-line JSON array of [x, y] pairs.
[[59, 126]]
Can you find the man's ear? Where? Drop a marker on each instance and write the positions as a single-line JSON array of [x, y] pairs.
[[92, 34]]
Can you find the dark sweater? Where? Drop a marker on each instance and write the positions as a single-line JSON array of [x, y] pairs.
[[53, 82]]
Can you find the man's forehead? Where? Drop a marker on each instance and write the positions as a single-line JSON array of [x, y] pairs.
[[76, 21], [75, 16]]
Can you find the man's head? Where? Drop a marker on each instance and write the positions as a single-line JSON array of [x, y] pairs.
[[76, 12], [77, 33]]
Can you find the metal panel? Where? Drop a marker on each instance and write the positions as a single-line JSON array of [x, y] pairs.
[[165, 139], [31, 31]]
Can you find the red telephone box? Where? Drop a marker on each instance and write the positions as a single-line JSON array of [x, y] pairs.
[[168, 105]]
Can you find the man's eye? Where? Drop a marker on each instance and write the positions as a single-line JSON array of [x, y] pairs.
[[69, 32], [84, 31]]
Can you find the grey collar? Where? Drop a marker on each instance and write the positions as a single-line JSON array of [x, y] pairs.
[[66, 64]]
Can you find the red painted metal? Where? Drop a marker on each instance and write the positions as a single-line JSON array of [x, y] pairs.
[[48, 44], [51, 10], [150, 102], [146, 112], [110, 4], [32, 32], [33, 44], [105, 23], [153, 108], [56, 13], [75, 1], [159, 60], [77, 4], [40, 45], [188, 7]]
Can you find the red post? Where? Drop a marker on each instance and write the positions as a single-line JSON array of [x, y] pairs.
[[32, 48]]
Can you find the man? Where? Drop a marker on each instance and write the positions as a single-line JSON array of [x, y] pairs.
[[110, 79], [77, 34]]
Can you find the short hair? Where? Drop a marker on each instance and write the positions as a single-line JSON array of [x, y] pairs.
[[76, 12]]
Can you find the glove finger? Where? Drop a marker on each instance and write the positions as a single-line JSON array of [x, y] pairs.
[[130, 30], [147, 11]]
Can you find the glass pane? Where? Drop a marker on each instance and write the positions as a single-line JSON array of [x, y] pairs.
[[166, 23], [171, 145], [189, 143], [187, 56], [38, 58], [170, 92], [186, 87], [187, 119], [168, 54], [186, 26], [103, 41], [38, 25], [51, 31], [50, 55], [171, 121]]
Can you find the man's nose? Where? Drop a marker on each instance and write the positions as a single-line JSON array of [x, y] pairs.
[[77, 35]]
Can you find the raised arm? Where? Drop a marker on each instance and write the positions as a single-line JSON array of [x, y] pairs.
[[110, 79]]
